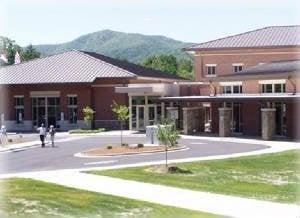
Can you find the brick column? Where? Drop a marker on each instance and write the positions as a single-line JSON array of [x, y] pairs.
[[268, 124], [225, 121]]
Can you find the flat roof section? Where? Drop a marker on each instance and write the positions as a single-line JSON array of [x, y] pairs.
[[234, 98]]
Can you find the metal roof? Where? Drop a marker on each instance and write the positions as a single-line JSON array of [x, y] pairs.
[[233, 98], [266, 37], [70, 67], [287, 66]]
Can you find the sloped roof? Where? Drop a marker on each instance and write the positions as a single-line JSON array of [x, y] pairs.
[[286, 66], [73, 67], [273, 36]]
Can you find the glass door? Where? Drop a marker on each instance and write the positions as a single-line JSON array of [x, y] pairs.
[[152, 114], [141, 117]]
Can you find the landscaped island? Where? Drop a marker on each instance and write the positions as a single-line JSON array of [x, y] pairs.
[[273, 177]]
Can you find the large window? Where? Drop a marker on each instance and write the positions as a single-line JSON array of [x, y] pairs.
[[19, 109], [231, 89], [273, 88], [72, 107], [211, 69], [237, 67]]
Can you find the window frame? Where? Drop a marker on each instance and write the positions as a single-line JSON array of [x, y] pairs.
[[72, 106], [19, 108]]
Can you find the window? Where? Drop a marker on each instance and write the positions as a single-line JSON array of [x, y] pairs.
[[237, 67], [232, 89], [211, 69], [273, 88], [19, 109], [72, 108]]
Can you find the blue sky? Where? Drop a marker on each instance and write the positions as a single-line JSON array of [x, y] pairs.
[[55, 21]]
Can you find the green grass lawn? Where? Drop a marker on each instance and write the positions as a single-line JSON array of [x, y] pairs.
[[30, 198], [273, 177]]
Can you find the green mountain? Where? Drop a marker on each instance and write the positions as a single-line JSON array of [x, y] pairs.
[[128, 46]]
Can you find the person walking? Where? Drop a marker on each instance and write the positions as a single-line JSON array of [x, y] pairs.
[[52, 132], [3, 133], [42, 133]]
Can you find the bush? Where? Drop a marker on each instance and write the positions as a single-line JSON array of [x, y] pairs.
[[140, 145], [124, 144], [10, 140], [84, 131], [109, 146]]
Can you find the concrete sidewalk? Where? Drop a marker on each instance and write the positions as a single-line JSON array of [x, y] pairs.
[[36, 143], [194, 200]]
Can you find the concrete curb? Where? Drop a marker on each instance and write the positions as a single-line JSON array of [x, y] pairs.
[[81, 155]]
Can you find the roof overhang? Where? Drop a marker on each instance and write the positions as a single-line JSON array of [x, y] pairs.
[[234, 98]]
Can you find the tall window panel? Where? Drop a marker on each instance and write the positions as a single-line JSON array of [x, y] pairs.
[[72, 108], [19, 109]]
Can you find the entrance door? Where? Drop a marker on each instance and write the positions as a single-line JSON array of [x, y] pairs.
[[280, 119], [140, 117], [236, 118], [45, 110], [152, 114]]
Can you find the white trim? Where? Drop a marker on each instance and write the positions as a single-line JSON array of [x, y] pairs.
[[210, 75], [108, 85], [237, 64], [45, 94], [233, 83], [278, 81], [18, 96], [210, 65], [71, 95]]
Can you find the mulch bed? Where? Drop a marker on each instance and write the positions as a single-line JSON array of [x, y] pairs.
[[126, 150]]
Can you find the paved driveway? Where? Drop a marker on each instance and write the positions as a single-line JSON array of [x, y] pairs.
[[62, 157]]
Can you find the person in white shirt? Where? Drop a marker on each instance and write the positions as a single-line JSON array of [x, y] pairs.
[[52, 132], [42, 132], [3, 133]]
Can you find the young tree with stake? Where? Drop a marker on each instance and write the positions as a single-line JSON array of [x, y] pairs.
[[122, 112]]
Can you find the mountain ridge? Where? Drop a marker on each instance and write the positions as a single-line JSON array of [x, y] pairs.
[[133, 47]]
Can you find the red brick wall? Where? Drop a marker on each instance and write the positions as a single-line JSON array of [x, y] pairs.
[[249, 57], [293, 120], [103, 99]]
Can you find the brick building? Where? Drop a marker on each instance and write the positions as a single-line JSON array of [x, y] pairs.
[[54, 90], [247, 84]]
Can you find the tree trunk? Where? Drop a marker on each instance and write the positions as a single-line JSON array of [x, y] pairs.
[[121, 132]]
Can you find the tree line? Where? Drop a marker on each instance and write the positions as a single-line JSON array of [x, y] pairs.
[[10, 48], [170, 64]]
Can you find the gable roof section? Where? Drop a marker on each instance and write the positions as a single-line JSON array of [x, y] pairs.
[[137, 69], [273, 36], [72, 67]]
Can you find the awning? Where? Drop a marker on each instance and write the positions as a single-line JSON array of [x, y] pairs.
[[234, 98]]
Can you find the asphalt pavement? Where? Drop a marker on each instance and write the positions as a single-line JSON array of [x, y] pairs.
[[62, 156]]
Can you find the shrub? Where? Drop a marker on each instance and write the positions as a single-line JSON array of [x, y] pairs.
[[140, 145], [124, 144], [10, 140], [109, 146], [84, 131], [88, 114]]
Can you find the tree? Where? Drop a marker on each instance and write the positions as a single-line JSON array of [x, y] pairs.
[[122, 112], [185, 69], [88, 114], [168, 135], [30, 53], [9, 47], [169, 63]]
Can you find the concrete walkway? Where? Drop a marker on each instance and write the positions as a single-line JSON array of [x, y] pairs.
[[35, 143], [194, 200]]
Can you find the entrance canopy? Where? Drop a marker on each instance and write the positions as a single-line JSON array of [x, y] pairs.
[[234, 98]]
